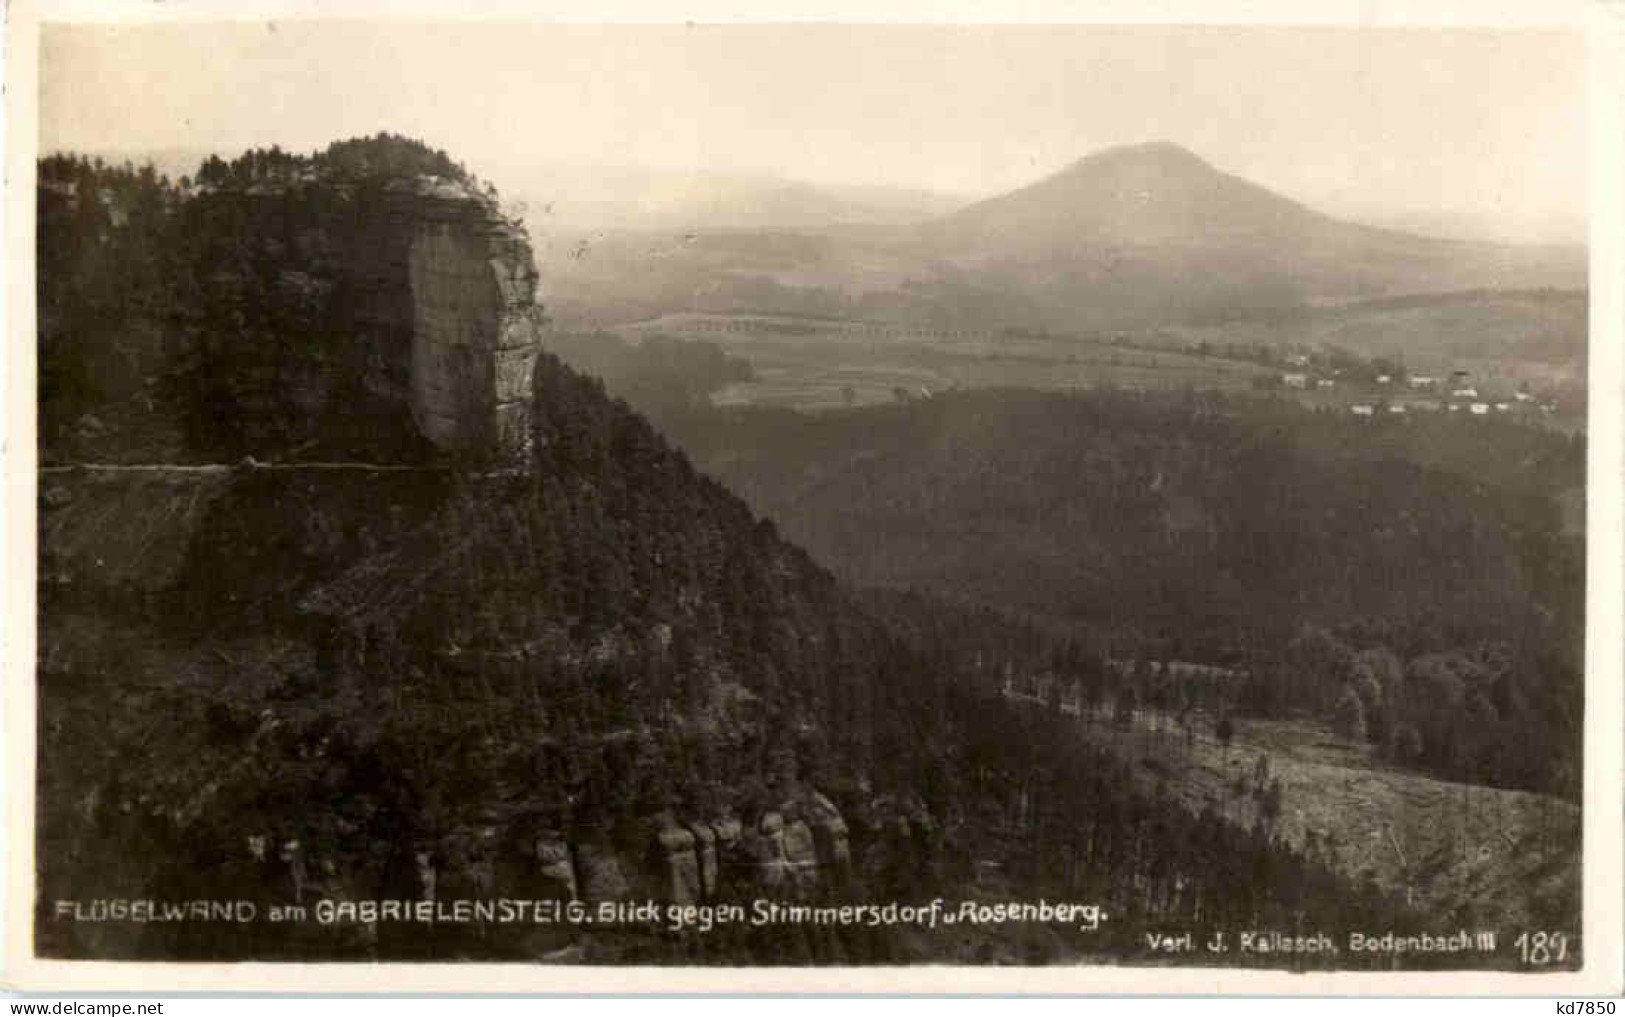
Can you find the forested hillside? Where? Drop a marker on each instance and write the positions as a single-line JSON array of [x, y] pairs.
[[658, 374], [1420, 572]]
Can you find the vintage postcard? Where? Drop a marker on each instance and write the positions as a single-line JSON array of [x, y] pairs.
[[718, 505]]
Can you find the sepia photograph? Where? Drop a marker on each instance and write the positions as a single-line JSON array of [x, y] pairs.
[[804, 496]]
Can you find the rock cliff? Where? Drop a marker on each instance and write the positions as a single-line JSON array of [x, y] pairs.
[[475, 326], [419, 288], [386, 320]]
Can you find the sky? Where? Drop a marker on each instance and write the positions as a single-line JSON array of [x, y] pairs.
[[1472, 125]]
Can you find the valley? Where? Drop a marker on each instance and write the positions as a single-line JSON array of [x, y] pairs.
[[814, 364], [1523, 354], [1139, 267]]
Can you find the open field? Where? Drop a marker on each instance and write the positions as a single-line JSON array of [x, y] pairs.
[[808, 363], [814, 364]]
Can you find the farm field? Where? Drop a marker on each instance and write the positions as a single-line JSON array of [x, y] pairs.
[[1508, 859], [812, 364]]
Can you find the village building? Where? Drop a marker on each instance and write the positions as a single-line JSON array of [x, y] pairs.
[[1295, 380]]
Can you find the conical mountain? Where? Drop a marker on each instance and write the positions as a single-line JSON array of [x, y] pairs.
[[1156, 193]]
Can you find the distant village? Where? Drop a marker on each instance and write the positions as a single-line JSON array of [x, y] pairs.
[[1397, 391]]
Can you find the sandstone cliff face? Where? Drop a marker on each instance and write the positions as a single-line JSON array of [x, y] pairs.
[[475, 326], [384, 322], [442, 290]]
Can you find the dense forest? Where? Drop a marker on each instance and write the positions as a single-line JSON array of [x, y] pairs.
[[1414, 580], [383, 156], [110, 284], [658, 374]]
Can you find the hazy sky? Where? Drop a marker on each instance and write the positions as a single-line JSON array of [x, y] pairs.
[[1459, 122]]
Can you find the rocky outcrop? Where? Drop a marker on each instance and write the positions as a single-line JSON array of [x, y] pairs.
[[389, 320], [676, 864], [558, 878], [475, 325], [800, 848], [705, 856], [831, 841], [436, 289], [442, 289], [800, 858], [599, 873], [760, 860]]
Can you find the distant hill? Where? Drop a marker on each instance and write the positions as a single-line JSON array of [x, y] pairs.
[[629, 198], [1151, 194], [1151, 229]]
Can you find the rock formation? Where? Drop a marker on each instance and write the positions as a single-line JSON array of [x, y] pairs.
[[553, 865], [676, 864], [830, 837], [800, 859], [705, 854], [383, 320], [599, 873], [475, 323]]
